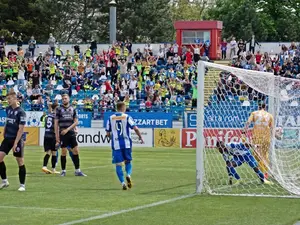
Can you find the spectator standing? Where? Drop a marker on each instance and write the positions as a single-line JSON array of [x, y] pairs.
[[51, 42], [175, 48], [224, 48], [233, 45], [196, 49], [58, 52], [189, 57], [206, 47], [43, 119], [128, 45], [241, 47], [252, 43], [32, 45], [19, 43], [76, 49], [2, 42], [93, 47]]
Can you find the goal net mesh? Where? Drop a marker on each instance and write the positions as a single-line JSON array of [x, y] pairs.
[[230, 95]]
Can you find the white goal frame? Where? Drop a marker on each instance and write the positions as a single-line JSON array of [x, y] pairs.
[[200, 147]]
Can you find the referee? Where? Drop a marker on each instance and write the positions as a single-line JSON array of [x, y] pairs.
[[13, 132], [66, 120]]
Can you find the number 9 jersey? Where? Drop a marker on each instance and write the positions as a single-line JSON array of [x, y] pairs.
[[120, 125]]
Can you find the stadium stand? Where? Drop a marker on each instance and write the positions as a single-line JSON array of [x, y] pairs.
[[165, 82]]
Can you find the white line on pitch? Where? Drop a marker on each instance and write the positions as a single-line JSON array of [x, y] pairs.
[[49, 209], [106, 215], [87, 168]]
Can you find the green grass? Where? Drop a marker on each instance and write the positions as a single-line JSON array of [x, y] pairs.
[[158, 174]]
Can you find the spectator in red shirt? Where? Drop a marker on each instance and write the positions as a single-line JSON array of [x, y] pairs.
[[189, 57], [258, 57], [108, 86], [148, 105]]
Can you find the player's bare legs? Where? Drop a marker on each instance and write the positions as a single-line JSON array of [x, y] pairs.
[[22, 173], [4, 183]]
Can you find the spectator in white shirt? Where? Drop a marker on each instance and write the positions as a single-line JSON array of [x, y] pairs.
[[132, 87], [175, 48], [51, 42], [233, 45]]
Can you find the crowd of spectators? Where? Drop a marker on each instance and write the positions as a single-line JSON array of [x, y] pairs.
[[286, 63], [97, 78]]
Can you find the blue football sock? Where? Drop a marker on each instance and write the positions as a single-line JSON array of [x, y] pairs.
[[119, 171], [128, 168], [56, 157], [228, 171], [260, 175], [234, 173]]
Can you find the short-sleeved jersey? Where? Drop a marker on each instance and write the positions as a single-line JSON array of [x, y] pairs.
[[120, 125], [14, 118], [49, 126], [66, 117], [235, 149], [263, 122]]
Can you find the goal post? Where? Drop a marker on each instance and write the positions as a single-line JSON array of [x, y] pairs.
[[200, 128], [226, 97]]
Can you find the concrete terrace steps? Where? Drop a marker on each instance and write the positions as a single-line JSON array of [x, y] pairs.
[[211, 78]]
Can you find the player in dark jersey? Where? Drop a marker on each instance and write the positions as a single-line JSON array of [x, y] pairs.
[[13, 132], [66, 119], [50, 147]]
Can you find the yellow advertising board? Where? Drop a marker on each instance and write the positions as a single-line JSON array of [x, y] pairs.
[[167, 138], [31, 135]]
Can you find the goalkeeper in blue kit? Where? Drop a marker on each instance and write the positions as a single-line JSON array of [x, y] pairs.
[[237, 153]]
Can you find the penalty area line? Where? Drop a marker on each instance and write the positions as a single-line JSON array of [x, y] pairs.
[[110, 214], [50, 209]]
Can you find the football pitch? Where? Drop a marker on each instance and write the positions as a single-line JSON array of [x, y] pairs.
[[163, 194]]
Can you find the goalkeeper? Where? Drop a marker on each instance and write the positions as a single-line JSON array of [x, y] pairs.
[[262, 132], [235, 154]]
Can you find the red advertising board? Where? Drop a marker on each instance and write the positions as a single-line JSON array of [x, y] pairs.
[[211, 136]]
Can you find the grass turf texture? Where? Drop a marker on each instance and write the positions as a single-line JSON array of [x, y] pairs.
[[158, 174]]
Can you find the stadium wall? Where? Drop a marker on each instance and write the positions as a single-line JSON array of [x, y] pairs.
[[271, 47]]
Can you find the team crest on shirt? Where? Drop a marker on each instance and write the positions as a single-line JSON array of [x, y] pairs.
[[62, 110], [16, 112]]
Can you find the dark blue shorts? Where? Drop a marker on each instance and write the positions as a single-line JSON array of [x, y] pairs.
[[122, 155]]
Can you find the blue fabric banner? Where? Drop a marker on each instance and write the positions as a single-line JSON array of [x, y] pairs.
[[85, 119], [148, 120]]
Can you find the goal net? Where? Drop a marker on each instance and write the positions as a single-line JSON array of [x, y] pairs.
[[226, 98]]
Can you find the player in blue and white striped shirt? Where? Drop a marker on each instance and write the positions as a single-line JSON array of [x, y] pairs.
[[118, 130], [237, 153]]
